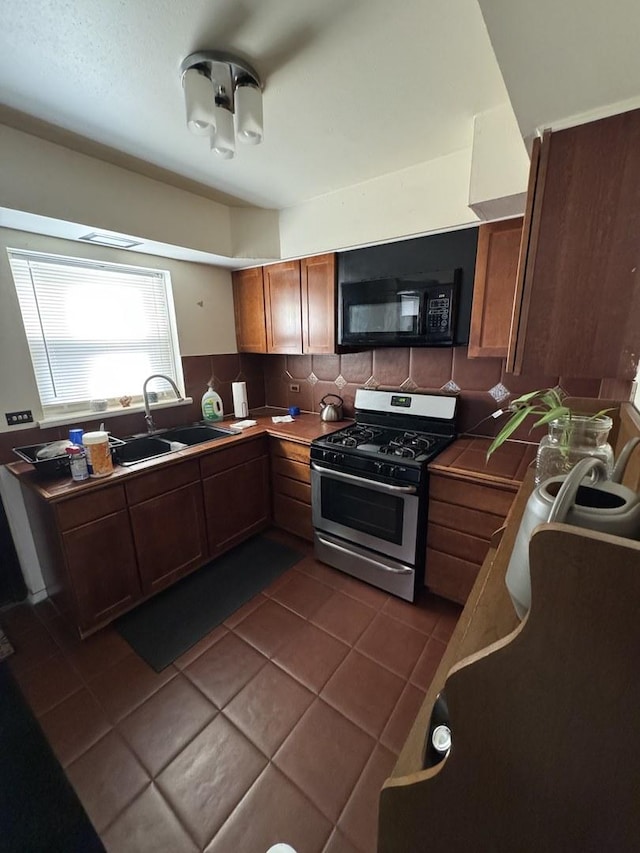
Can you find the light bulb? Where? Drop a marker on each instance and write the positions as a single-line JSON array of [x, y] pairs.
[[200, 103], [222, 141], [248, 103]]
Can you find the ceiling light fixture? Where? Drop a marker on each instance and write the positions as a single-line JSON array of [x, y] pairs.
[[110, 240], [223, 98]]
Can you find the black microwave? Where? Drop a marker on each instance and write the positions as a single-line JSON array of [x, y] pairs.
[[418, 310]]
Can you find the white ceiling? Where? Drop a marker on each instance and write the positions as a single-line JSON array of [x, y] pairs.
[[354, 89], [566, 59]]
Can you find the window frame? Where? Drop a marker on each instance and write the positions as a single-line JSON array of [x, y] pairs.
[[78, 410]]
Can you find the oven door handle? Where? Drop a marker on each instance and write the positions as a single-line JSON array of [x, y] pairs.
[[372, 484], [396, 570]]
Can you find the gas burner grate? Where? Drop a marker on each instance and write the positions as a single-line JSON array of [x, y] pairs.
[[409, 445], [354, 436]]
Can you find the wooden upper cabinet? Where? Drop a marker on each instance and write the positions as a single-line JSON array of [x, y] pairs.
[[318, 283], [248, 305], [577, 310], [283, 307], [494, 287]]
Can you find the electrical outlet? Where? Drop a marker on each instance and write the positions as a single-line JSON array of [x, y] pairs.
[[17, 418], [295, 387]]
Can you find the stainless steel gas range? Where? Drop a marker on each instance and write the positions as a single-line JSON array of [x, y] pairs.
[[369, 487]]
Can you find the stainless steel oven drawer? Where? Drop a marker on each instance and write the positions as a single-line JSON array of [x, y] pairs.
[[375, 569]]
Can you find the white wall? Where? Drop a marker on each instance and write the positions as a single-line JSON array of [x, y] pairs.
[[428, 197], [201, 329], [499, 165]]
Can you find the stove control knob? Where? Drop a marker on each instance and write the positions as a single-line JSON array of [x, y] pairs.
[[379, 466], [392, 471]]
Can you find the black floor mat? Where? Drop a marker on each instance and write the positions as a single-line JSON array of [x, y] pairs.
[[164, 627], [39, 810]]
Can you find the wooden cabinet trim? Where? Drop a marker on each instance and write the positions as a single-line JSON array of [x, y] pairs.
[[318, 278], [292, 515], [249, 310], [290, 450], [163, 480], [449, 576], [291, 488], [92, 552], [471, 494], [283, 307], [526, 266], [89, 506], [494, 287], [464, 519], [169, 536], [236, 503], [215, 463]]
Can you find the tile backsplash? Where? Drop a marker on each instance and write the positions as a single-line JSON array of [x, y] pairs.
[[482, 384]]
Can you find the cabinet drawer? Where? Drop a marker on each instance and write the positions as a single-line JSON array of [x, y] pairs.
[[222, 460], [491, 498], [89, 507], [460, 518], [292, 488], [449, 576], [163, 480], [289, 468], [292, 515], [290, 450], [458, 544]]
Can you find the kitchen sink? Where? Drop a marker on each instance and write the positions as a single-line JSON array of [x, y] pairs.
[[195, 434], [140, 449]]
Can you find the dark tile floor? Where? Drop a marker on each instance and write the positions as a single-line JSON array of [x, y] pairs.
[[280, 725]]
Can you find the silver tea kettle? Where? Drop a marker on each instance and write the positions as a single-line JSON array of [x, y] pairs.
[[331, 411]]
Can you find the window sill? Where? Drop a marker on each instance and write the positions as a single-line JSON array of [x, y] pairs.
[[77, 417]]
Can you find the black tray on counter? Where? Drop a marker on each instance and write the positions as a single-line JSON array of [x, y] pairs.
[[56, 466]]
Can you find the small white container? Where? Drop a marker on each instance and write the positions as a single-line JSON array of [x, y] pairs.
[[98, 453]]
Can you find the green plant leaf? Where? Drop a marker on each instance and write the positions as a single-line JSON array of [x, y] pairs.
[[524, 398], [558, 412], [508, 429]]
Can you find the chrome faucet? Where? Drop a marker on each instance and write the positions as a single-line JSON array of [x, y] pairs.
[[147, 408]]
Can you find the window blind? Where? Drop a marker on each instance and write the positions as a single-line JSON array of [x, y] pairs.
[[95, 330]]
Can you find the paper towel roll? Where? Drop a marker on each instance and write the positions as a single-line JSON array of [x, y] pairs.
[[240, 404]]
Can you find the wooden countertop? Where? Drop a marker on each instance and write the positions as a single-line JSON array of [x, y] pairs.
[[466, 458], [303, 430]]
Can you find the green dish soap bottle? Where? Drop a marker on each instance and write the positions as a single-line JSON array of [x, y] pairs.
[[211, 406]]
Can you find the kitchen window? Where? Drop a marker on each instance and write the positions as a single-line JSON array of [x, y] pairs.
[[95, 330]]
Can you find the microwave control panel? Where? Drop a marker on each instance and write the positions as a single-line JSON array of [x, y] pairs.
[[440, 314]]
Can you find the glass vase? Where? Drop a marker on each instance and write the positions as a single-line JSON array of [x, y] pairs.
[[571, 439]]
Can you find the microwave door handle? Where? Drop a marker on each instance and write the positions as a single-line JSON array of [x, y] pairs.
[[372, 484]]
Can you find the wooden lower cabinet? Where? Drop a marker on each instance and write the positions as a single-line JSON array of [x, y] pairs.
[[169, 536], [463, 515], [167, 519], [291, 487], [235, 484], [101, 565]]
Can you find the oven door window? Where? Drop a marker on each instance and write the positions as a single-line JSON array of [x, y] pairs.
[[358, 508]]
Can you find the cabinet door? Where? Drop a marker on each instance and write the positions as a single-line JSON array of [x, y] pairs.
[[169, 535], [283, 307], [236, 503], [494, 287], [248, 305], [101, 563], [318, 282], [579, 309]]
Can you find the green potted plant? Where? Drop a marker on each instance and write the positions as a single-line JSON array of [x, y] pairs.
[[571, 435]]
